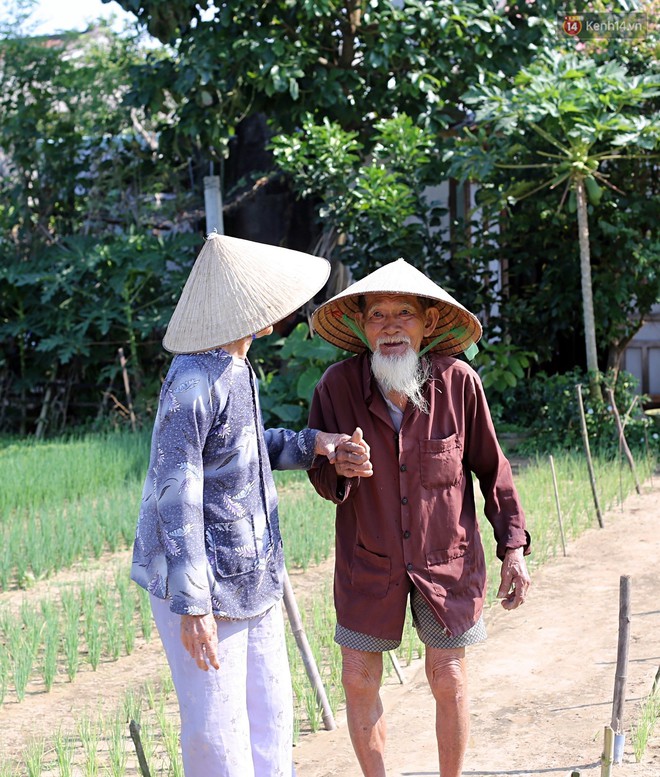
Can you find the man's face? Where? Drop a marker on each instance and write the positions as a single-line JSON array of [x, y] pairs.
[[394, 322]]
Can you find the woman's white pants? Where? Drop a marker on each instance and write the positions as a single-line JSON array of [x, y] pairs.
[[236, 721]]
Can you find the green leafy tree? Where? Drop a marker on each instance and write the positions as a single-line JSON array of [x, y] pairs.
[[349, 62], [586, 116], [80, 195], [377, 197], [289, 369]]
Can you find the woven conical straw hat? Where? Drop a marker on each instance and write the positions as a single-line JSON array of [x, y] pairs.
[[238, 287], [458, 327]]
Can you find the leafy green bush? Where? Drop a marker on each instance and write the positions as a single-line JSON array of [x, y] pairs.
[[547, 407], [502, 365], [289, 369]]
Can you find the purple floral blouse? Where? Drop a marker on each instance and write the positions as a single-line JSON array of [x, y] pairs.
[[208, 535]]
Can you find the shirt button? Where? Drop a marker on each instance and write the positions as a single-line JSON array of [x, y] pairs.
[[403, 468], [406, 534], [409, 566], [404, 501]]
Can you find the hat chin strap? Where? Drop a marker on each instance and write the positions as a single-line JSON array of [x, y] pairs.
[[355, 329], [470, 351]]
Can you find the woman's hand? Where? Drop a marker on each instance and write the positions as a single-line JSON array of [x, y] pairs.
[[326, 444], [352, 459], [199, 635]]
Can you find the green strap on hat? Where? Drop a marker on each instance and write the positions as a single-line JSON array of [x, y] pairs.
[[355, 329], [457, 332], [470, 352]]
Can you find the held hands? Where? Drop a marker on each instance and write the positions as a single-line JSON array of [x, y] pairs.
[[326, 444], [515, 579], [200, 638], [350, 455], [353, 457]]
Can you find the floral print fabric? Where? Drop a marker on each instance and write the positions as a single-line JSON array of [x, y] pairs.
[[208, 535]]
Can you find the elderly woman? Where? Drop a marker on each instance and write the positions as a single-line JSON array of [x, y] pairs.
[[208, 546]]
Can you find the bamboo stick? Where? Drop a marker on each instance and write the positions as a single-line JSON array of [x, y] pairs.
[[43, 416], [127, 387], [607, 757], [134, 728], [554, 483], [626, 417], [622, 439], [622, 654], [656, 682], [587, 450], [396, 665], [293, 613]]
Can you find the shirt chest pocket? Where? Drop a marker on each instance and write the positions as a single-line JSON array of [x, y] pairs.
[[441, 462]]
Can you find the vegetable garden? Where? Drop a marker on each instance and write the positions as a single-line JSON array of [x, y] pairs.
[[69, 613]]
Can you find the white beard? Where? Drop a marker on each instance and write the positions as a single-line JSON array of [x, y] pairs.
[[403, 374]]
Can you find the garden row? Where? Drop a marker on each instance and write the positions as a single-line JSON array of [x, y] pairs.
[[52, 629]]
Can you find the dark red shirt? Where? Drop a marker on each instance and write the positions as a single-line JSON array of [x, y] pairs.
[[414, 522]]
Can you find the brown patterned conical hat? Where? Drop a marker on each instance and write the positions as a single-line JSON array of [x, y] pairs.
[[457, 330]]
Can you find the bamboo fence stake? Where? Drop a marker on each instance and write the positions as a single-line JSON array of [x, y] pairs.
[[622, 655], [293, 613], [43, 415], [554, 483], [656, 682], [587, 450], [608, 753], [127, 387], [622, 439], [134, 728], [648, 454], [396, 665]]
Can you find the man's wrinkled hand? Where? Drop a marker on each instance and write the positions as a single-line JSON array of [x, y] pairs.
[[515, 580], [199, 635], [353, 459]]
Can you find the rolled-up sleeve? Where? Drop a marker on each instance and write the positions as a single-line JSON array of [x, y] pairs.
[[486, 459], [323, 475], [290, 450]]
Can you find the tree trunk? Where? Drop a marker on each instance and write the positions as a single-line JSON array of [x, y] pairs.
[[587, 294]]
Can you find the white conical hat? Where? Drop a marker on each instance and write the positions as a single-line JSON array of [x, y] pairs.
[[457, 328], [238, 287]]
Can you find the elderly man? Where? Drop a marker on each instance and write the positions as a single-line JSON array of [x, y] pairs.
[[410, 532]]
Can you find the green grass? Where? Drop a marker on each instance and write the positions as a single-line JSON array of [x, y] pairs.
[[646, 721]]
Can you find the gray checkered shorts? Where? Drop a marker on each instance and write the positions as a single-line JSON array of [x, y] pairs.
[[430, 632]]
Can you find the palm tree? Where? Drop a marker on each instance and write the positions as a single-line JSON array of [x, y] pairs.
[[585, 115]]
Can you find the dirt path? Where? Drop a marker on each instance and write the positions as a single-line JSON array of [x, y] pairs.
[[542, 684]]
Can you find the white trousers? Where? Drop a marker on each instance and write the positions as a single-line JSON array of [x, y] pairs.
[[236, 721]]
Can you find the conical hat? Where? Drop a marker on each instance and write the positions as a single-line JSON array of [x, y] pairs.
[[238, 287], [457, 328]]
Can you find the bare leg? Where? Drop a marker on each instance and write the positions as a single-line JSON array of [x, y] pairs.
[[446, 671], [361, 677]]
